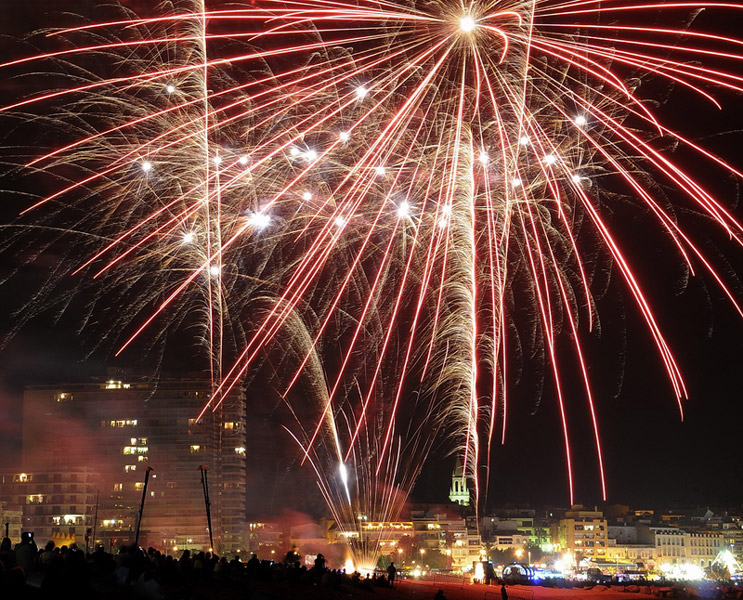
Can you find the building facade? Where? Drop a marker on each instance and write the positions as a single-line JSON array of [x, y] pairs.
[[121, 427], [56, 505], [581, 533]]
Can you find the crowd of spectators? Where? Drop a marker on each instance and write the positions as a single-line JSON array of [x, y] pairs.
[[67, 571]]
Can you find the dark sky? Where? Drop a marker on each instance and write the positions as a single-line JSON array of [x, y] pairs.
[[652, 457]]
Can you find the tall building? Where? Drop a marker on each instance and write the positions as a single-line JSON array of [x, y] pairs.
[[56, 505], [119, 427]]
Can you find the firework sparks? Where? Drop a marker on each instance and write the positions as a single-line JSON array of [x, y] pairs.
[[381, 177]]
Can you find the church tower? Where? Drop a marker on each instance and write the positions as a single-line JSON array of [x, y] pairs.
[[459, 493]]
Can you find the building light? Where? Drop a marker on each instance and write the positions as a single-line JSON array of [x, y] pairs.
[[240, 450], [118, 487], [195, 448], [136, 450], [141, 458], [139, 485], [130, 468]]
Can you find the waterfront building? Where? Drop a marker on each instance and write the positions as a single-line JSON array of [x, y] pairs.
[[58, 504], [122, 426], [581, 533]]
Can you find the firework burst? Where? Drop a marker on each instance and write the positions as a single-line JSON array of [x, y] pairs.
[[369, 189]]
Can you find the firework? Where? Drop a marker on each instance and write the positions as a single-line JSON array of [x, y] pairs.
[[368, 191]]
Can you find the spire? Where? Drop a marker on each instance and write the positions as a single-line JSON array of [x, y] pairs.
[[459, 493]]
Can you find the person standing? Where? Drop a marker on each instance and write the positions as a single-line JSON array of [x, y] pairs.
[[391, 572], [503, 592]]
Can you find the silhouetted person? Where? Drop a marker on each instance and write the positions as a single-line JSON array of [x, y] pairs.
[[439, 595], [7, 554], [320, 562], [47, 554], [26, 552], [253, 565], [503, 592], [391, 572]]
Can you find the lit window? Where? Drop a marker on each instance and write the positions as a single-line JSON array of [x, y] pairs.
[[195, 448], [136, 450], [63, 397], [240, 450], [192, 422], [130, 468], [118, 487], [141, 458], [113, 523], [22, 478], [171, 485], [35, 499], [229, 425], [139, 485]]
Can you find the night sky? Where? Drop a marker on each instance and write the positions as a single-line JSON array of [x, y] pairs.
[[652, 457]]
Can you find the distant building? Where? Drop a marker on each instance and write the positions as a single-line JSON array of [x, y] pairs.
[[671, 543], [265, 539], [674, 545], [623, 534], [631, 556], [459, 493], [582, 533], [119, 426], [510, 541]]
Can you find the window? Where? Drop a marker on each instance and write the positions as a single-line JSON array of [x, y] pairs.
[[108, 523], [240, 450], [139, 485], [112, 384], [195, 448], [135, 450], [171, 485], [118, 487], [141, 458], [130, 468]]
